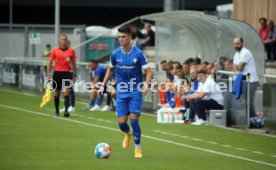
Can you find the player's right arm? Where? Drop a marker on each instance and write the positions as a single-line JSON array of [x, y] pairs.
[[110, 69], [49, 68], [50, 63], [108, 74]]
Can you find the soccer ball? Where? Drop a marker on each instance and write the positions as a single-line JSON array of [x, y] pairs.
[[103, 151]]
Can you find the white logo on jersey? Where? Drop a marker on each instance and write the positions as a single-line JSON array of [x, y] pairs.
[[135, 60]]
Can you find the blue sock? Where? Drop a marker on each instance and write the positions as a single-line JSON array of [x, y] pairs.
[[100, 99], [136, 130], [108, 100], [91, 102], [124, 127]]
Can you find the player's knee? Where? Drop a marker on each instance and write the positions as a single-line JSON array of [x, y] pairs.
[[198, 101], [66, 92], [134, 116], [123, 126], [57, 92]]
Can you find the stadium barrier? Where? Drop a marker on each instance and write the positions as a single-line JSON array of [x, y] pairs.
[[238, 111], [27, 73], [269, 102]]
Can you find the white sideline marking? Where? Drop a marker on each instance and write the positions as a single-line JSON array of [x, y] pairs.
[[143, 113], [274, 156], [211, 142], [145, 136], [187, 137], [149, 114], [241, 149], [196, 139], [258, 152], [174, 135], [166, 133], [83, 116]]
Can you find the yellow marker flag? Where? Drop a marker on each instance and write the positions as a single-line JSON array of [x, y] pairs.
[[47, 96]]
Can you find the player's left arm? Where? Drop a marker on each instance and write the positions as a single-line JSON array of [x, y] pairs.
[[243, 61], [144, 63], [148, 75], [239, 67], [147, 82], [96, 80]]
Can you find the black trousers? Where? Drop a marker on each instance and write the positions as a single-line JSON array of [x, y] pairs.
[[198, 106], [271, 51], [58, 77]]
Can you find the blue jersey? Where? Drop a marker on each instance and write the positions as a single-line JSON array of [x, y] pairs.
[[100, 72], [194, 87], [128, 67]]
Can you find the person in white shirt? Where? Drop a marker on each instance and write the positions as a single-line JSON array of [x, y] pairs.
[[207, 97], [244, 62]]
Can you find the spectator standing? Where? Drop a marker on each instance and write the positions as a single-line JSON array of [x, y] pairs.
[[263, 33], [271, 41], [245, 63]]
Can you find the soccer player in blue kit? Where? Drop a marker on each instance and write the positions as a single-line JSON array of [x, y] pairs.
[[128, 62]]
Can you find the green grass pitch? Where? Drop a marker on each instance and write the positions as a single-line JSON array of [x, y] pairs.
[[33, 138]]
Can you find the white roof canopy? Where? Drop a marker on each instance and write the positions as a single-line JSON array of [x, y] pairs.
[[184, 34]]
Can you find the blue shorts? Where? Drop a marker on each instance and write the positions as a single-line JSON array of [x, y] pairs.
[[128, 103]]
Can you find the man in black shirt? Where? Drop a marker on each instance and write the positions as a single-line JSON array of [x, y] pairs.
[[149, 37]]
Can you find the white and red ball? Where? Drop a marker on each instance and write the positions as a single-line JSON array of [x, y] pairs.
[[103, 151]]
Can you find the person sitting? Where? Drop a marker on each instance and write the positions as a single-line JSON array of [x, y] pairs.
[[194, 83], [99, 73], [136, 35], [228, 66], [149, 37], [186, 70], [179, 82], [207, 97], [165, 67]]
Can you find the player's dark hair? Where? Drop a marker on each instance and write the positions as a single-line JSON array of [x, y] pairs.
[[163, 61], [263, 19], [205, 62], [241, 39], [179, 67], [124, 29], [94, 61], [229, 61], [202, 72], [197, 61]]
